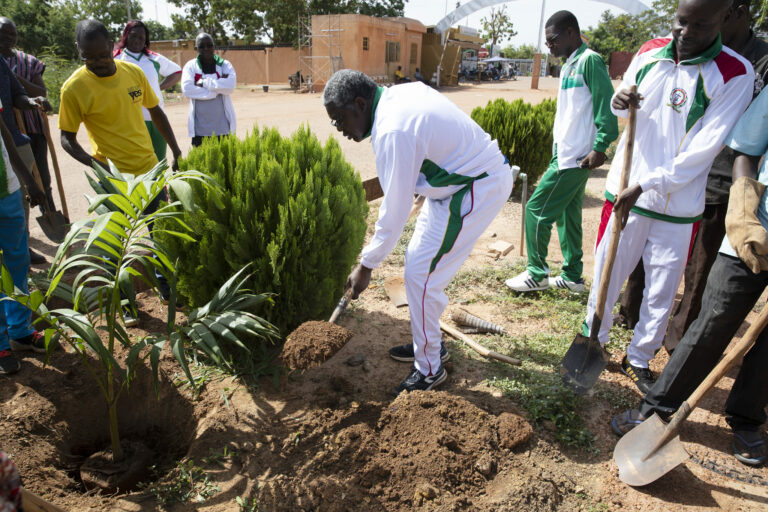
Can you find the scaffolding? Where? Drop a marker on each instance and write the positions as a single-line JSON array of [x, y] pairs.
[[319, 49]]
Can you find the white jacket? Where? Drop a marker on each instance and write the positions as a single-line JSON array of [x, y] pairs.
[[424, 144], [213, 85], [688, 110]]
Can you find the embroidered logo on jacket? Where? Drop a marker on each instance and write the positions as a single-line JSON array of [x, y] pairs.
[[135, 93], [677, 99]]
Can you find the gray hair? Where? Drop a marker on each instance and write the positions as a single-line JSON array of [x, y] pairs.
[[346, 85]]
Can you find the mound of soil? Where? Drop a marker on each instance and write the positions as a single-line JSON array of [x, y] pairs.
[[384, 456], [313, 343]]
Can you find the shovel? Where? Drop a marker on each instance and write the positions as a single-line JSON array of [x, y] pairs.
[[653, 448], [586, 358], [53, 223]]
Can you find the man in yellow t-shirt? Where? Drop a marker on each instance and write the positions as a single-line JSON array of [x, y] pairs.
[[107, 96]]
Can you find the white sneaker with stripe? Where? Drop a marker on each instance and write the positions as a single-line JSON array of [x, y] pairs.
[[573, 286], [525, 283]]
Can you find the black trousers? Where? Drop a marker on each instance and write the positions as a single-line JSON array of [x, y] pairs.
[[730, 294], [708, 239]]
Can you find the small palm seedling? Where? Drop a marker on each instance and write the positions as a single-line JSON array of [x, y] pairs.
[[103, 254]]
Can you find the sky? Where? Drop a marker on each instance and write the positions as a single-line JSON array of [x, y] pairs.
[[524, 13]]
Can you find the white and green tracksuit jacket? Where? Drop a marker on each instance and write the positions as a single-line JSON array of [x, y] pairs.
[[424, 144], [689, 107], [584, 120]]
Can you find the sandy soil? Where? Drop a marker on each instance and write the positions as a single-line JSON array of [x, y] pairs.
[[332, 438]]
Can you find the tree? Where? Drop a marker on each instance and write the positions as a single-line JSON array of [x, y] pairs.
[[158, 31], [524, 51], [498, 26], [44, 26], [111, 13]]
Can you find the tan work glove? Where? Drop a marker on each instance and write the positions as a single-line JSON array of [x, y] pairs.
[[745, 232]]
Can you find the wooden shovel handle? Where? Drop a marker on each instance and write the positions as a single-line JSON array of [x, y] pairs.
[[342, 305], [34, 170], [483, 351], [55, 161], [613, 244], [726, 363]]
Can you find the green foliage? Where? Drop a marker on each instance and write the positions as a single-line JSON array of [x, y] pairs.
[[498, 26], [523, 131], [294, 209], [524, 51], [626, 32], [105, 253], [190, 483], [57, 70]]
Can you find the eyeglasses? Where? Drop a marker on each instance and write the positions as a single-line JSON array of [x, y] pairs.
[[550, 41], [336, 122]]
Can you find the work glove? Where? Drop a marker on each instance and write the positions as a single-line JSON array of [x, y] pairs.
[[742, 227]]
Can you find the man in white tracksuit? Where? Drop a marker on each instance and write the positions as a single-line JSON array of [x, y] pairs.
[[209, 81], [424, 144], [691, 92]]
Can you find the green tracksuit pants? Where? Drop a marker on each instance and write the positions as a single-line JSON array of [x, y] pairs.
[[558, 198]]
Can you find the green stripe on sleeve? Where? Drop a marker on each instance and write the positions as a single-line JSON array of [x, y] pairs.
[[599, 83]]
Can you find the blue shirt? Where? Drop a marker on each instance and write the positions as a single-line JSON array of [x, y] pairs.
[[9, 89], [750, 136]]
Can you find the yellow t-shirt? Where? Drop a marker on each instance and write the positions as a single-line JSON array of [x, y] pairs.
[[110, 107]]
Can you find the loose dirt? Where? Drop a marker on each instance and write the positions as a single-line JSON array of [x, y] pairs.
[[312, 343]]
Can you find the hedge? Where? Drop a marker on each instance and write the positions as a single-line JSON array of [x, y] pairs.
[[294, 208], [523, 131]]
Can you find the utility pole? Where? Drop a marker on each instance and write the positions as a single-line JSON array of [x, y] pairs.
[[128, 8], [537, 57]]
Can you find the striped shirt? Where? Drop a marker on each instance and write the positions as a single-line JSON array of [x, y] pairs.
[[28, 67]]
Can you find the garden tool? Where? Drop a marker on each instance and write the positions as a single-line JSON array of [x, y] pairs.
[[341, 306], [483, 351], [34, 503], [395, 288], [586, 358], [653, 448], [53, 223], [463, 317]]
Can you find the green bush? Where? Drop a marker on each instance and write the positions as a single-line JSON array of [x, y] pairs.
[[57, 70], [292, 207], [523, 131]]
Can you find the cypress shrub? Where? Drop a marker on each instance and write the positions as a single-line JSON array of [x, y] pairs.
[[523, 131], [292, 207]]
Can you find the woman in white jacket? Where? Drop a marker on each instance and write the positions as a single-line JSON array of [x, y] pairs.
[[208, 81]]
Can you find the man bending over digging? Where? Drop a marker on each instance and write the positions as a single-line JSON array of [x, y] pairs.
[[424, 144]]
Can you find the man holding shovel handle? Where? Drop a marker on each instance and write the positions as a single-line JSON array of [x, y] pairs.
[[691, 92], [738, 278]]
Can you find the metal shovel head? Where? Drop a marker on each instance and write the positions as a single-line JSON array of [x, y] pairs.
[[637, 466], [395, 288], [583, 363], [54, 224]]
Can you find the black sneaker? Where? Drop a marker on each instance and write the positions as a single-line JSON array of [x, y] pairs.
[[404, 353], [34, 341], [642, 377], [626, 421], [130, 319], [8, 363], [416, 381], [165, 297], [35, 258]]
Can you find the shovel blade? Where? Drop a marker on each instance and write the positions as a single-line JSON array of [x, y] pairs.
[[583, 363], [54, 225], [637, 466], [395, 288]]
